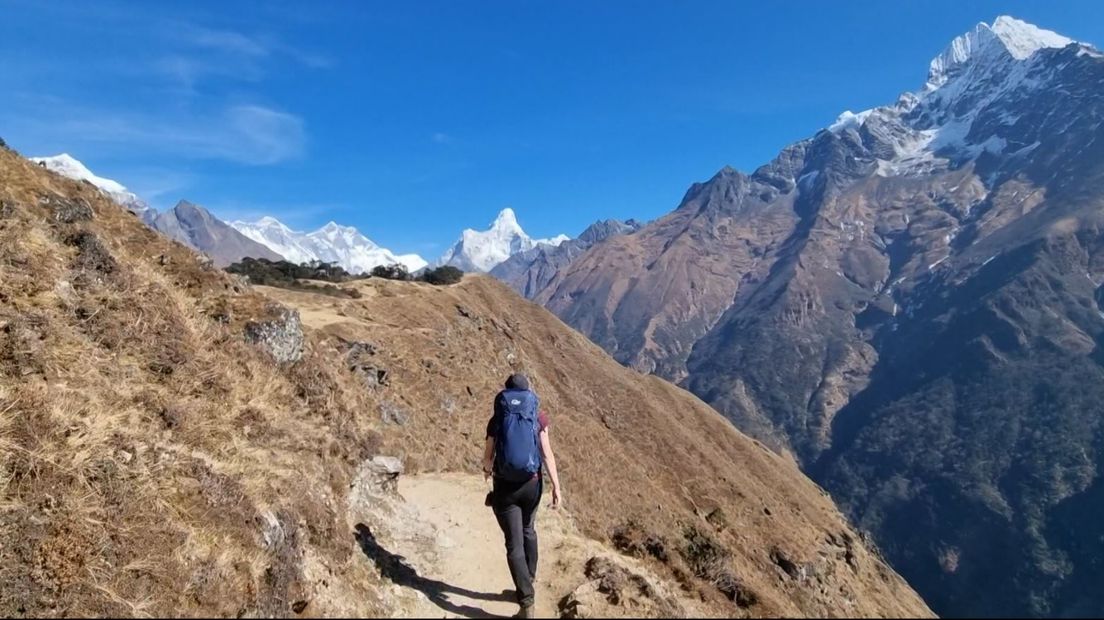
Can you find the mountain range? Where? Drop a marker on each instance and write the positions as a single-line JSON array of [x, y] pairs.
[[269, 238], [332, 243], [910, 302]]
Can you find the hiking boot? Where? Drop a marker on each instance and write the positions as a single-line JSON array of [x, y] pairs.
[[526, 612]]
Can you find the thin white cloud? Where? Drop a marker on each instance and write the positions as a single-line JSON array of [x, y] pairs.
[[228, 41], [192, 92], [248, 134]]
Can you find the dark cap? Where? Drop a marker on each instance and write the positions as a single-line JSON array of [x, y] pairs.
[[517, 381]]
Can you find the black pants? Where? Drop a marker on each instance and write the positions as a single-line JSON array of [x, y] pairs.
[[515, 507]]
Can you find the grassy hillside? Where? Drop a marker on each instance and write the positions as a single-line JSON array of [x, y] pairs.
[[644, 463], [157, 459]]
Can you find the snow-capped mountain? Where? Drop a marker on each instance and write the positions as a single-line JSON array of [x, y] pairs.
[[482, 250], [332, 243], [970, 105], [69, 166], [910, 302]]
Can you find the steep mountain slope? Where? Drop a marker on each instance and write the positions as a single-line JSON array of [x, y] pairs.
[[480, 251], [152, 461], [196, 228], [529, 272], [173, 444], [909, 301], [68, 166], [641, 459], [332, 243]]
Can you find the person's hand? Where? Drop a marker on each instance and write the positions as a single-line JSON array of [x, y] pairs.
[[557, 497], [487, 470]]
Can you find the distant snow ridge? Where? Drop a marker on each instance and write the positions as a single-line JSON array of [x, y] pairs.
[[70, 167], [332, 243], [970, 101], [482, 250]]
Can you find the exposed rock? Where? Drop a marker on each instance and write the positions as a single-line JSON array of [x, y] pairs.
[[360, 361], [784, 562], [382, 472], [281, 336], [613, 591], [93, 259], [391, 413], [68, 210]]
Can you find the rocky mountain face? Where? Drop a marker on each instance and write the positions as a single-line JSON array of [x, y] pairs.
[[196, 228], [343, 245], [529, 272], [481, 251], [177, 442], [910, 303]]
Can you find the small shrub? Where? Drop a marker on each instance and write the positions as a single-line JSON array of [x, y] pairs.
[[285, 274], [391, 272], [444, 275], [631, 538], [711, 562]]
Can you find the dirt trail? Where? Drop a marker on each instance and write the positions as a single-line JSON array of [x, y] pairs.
[[472, 556], [452, 554]]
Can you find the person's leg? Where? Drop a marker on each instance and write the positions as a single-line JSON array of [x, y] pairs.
[[530, 501], [509, 515]]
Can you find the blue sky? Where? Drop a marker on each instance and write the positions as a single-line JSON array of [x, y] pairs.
[[413, 120]]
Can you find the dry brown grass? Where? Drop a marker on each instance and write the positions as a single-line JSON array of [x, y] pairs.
[[143, 444]]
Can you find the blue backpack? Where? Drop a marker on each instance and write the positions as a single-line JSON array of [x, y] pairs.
[[517, 446]]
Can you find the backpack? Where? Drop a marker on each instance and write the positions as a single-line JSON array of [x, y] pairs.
[[517, 445]]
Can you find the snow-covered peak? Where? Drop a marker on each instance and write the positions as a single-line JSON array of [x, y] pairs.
[[69, 166], [342, 236], [1022, 39], [481, 250], [506, 221], [270, 222], [849, 120], [333, 228], [968, 103], [557, 240], [332, 243], [1008, 37]]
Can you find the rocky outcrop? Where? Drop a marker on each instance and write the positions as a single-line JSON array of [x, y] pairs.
[[614, 591], [281, 336]]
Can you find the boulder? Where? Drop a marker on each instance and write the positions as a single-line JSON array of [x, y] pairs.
[[280, 336], [384, 472]]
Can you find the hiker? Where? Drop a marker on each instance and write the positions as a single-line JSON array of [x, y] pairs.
[[517, 446]]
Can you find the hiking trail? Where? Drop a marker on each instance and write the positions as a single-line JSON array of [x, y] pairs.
[[442, 551]]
